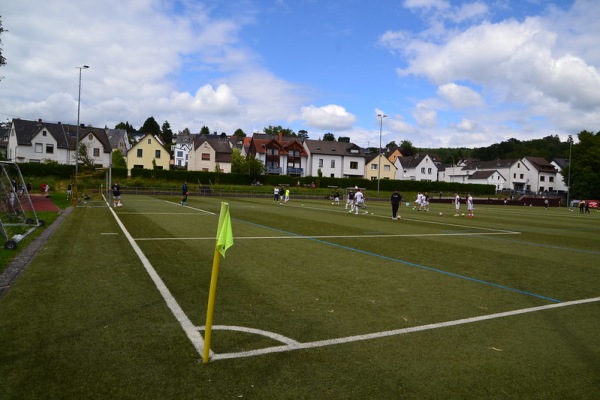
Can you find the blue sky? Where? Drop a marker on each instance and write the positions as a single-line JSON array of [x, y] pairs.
[[446, 73]]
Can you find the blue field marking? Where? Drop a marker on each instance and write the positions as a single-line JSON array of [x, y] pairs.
[[405, 262]]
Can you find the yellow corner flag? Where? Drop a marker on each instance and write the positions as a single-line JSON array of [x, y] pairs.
[[224, 241], [224, 233]]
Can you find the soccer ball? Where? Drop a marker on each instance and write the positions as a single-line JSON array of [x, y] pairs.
[[441, 213]]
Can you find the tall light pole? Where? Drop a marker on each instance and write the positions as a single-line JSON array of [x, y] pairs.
[[78, 109], [569, 176], [381, 117]]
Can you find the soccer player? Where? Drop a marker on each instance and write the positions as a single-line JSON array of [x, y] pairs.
[[350, 200], [470, 206], [396, 199], [456, 204], [184, 192], [359, 200], [116, 189]]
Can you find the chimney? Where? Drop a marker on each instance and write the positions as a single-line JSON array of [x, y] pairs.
[[280, 137]]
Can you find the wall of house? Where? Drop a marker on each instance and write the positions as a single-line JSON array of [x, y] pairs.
[[93, 145], [149, 145]]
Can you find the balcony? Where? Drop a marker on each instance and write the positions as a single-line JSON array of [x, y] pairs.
[[295, 171], [273, 170]]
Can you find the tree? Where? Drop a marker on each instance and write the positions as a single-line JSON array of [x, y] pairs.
[[239, 133], [118, 161], [302, 134], [151, 126], [344, 139], [585, 167], [166, 133], [185, 132], [274, 130], [329, 137], [204, 130], [82, 156], [246, 165], [406, 148], [125, 126]]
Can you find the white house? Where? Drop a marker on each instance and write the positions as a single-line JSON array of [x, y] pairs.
[[542, 175], [334, 159], [181, 150], [419, 167], [561, 182], [491, 177]]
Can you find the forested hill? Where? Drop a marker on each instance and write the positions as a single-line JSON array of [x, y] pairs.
[[549, 148]]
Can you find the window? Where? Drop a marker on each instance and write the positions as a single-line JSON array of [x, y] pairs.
[[44, 133], [429, 171], [386, 168], [179, 154], [206, 156], [90, 137], [423, 170], [374, 166], [551, 179], [156, 153], [149, 141], [521, 176], [542, 178], [96, 152], [140, 153], [353, 164], [38, 148], [49, 148], [320, 163], [332, 163]]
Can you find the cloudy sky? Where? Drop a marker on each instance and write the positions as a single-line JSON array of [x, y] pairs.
[[446, 73]]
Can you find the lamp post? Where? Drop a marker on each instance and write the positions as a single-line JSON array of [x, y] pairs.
[[569, 176], [381, 117], [78, 109]]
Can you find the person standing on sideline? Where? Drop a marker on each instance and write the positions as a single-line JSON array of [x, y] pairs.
[[184, 193], [276, 194], [396, 199], [470, 206], [116, 189], [456, 204], [287, 195]]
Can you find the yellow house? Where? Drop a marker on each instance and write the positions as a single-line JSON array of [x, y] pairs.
[[388, 169], [148, 153]]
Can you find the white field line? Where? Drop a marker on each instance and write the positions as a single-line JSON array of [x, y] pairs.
[[190, 330], [291, 345], [340, 236]]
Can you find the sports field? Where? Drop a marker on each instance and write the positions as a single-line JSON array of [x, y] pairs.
[[312, 302]]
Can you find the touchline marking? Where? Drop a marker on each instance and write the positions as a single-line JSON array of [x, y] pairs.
[[292, 345], [190, 330], [338, 236]]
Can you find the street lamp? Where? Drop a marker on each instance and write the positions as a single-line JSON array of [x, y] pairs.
[[78, 109], [569, 176], [381, 117]]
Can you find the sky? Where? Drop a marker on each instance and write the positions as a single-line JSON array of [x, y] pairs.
[[444, 73]]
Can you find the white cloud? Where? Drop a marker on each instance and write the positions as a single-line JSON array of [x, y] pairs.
[[425, 116], [332, 117], [459, 96]]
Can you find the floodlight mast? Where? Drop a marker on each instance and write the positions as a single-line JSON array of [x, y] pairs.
[[381, 117], [78, 113]]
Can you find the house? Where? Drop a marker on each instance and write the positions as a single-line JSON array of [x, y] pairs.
[[148, 153], [542, 175], [514, 171], [119, 140], [419, 167], [334, 159], [491, 177], [562, 182], [372, 167], [181, 150], [281, 155], [38, 141], [209, 153], [240, 143]]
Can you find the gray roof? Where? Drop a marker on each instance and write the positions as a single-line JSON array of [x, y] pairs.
[[334, 148]]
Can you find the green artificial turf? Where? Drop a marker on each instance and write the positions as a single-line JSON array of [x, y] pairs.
[[86, 321]]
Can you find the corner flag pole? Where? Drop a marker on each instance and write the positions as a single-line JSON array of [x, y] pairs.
[[224, 241]]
